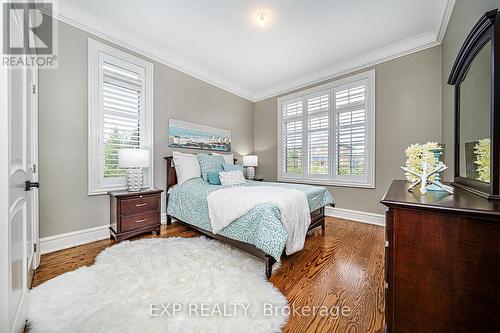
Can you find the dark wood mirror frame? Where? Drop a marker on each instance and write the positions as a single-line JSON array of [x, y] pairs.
[[486, 30]]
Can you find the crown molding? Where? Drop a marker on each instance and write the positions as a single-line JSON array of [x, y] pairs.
[[400, 49], [72, 15], [441, 18], [83, 20]]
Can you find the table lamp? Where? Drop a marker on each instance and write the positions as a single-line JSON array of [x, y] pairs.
[[250, 162], [134, 160]]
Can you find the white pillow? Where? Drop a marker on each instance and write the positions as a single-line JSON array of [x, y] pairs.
[[232, 177], [228, 158], [186, 166]]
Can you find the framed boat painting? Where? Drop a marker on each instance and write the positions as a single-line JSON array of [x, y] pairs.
[[183, 134]]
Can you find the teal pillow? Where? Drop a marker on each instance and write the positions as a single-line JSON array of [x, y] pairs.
[[232, 167], [213, 178], [210, 163]]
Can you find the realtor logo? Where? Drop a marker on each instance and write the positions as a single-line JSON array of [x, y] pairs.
[[29, 35]]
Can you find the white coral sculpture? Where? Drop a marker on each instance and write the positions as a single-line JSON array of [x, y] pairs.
[[416, 155]]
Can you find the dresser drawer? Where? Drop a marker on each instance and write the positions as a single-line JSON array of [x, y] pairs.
[[139, 221], [139, 204]]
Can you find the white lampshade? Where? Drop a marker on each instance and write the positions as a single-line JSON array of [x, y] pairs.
[[250, 161], [133, 158]]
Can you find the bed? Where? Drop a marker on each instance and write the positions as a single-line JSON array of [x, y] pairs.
[[258, 232]]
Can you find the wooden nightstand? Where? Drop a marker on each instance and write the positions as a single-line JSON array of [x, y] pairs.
[[133, 213]]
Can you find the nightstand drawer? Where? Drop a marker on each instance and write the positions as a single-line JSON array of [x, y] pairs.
[[139, 221], [139, 204]]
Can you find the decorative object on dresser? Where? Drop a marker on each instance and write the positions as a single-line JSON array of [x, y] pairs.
[[133, 213], [250, 162], [438, 176], [476, 77], [442, 261], [424, 167], [134, 160], [424, 178]]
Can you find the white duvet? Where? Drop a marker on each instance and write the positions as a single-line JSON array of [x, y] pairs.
[[228, 204]]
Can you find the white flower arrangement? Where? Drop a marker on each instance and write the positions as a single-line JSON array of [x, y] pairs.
[[418, 153], [482, 151]]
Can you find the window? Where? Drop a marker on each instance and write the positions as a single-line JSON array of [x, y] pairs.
[[326, 134], [120, 114]]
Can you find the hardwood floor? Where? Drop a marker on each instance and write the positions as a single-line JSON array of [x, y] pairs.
[[342, 269]]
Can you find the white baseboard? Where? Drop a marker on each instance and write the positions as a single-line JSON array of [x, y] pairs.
[[70, 239], [354, 215], [75, 238]]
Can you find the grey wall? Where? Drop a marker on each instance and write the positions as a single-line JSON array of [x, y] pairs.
[[64, 203], [465, 15], [410, 92], [408, 110]]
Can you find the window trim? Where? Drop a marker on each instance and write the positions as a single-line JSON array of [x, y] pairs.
[[95, 185], [332, 180]]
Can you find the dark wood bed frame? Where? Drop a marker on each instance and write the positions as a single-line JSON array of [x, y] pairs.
[[317, 219]]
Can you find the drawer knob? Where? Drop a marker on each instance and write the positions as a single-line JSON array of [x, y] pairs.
[[140, 221], [141, 204], [386, 285], [386, 243]]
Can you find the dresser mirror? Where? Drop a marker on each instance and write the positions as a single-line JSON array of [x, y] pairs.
[[475, 76], [475, 114]]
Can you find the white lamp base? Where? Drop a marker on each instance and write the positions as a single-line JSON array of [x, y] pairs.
[[135, 180], [250, 173]]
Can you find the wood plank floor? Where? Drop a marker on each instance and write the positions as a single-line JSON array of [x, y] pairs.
[[342, 268]]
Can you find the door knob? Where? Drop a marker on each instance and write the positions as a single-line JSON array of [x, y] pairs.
[[29, 184]]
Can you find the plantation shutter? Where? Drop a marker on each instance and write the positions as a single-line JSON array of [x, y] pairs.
[[350, 114], [122, 105], [292, 138], [318, 107]]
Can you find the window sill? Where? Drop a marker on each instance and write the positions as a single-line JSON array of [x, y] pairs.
[[326, 182], [105, 191]]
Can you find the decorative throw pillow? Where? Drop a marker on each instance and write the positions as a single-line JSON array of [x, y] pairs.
[[213, 178], [229, 158], [232, 167], [210, 163], [231, 178], [186, 166]]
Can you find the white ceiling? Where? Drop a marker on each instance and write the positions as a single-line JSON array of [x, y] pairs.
[[305, 42]]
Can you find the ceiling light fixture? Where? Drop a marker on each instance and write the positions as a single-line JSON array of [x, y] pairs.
[[262, 18]]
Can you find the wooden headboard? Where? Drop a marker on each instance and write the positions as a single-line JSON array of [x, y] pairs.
[[171, 173]]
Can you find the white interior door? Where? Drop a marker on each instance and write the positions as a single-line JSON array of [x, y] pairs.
[[19, 203], [22, 216]]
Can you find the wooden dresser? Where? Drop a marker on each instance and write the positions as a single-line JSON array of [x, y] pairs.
[[133, 213], [442, 262]]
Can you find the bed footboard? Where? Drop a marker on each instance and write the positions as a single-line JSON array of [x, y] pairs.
[[317, 219]]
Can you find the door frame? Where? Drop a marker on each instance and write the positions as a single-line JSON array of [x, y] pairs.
[[4, 200], [34, 193]]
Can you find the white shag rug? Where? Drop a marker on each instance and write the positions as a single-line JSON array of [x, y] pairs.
[[161, 285]]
